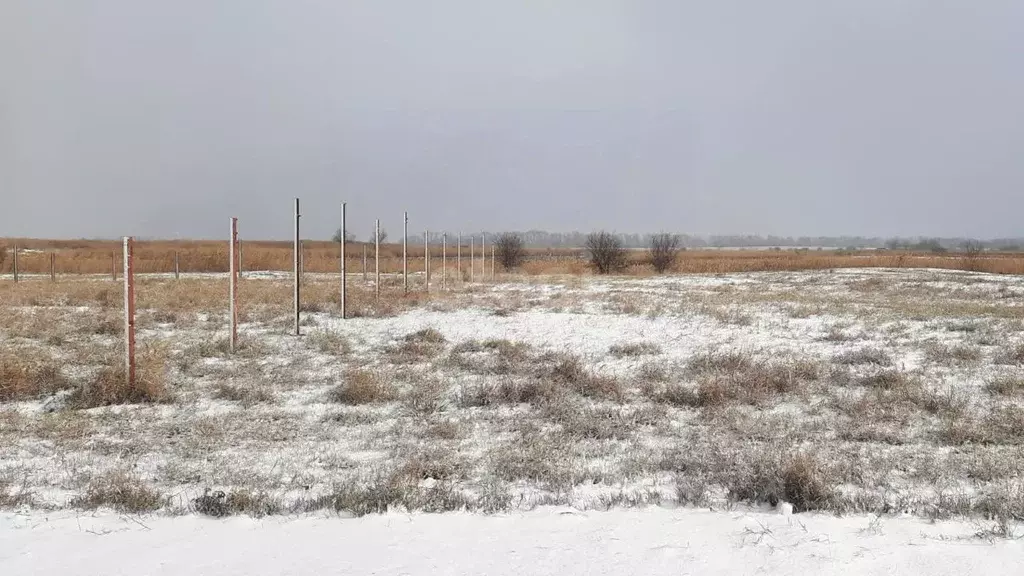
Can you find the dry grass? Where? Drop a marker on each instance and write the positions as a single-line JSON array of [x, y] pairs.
[[27, 377], [729, 377], [634, 349], [247, 395], [1011, 354], [97, 257], [873, 356], [363, 387], [1001, 425], [120, 491], [571, 373], [799, 479], [110, 386], [953, 355], [1006, 386]]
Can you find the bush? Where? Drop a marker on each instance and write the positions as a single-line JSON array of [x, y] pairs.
[[509, 251], [664, 250], [607, 254]]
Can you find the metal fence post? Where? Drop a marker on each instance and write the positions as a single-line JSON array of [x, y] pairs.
[[459, 259], [53, 266], [296, 270], [444, 261], [376, 257], [344, 276], [113, 265], [426, 260], [176, 274], [15, 263], [364, 263], [492, 262], [405, 253], [235, 258], [129, 311]]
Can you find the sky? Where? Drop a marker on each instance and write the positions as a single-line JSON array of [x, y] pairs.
[[791, 117]]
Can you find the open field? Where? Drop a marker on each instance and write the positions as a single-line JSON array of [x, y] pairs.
[[850, 391], [194, 256]]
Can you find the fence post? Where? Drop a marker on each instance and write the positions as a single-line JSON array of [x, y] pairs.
[[376, 258], [459, 258], [239, 258], [176, 274], [53, 266], [344, 277], [405, 253], [233, 273], [492, 262], [129, 310], [296, 270], [113, 265], [444, 261], [426, 260], [483, 256], [15, 264], [364, 263]]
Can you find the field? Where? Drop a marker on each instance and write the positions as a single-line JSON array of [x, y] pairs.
[[894, 392]]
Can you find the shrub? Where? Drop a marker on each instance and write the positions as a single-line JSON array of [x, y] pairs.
[[110, 386], [509, 251], [28, 378], [607, 254], [664, 250]]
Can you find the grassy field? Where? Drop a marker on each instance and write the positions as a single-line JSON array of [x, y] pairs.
[[98, 257], [887, 391]]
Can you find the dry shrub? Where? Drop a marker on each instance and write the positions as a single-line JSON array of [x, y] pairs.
[[634, 349], [753, 383], [330, 342], [1006, 386], [507, 390], [589, 422], [11, 497], [26, 378], [417, 347], [720, 362], [110, 386], [247, 394], [570, 373], [120, 491], [872, 356], [218, 504], [957, 354], [1011, 354], [607, 254], [497, 357], [795, 478], [425, 395], [363, 387], [1001, 425]]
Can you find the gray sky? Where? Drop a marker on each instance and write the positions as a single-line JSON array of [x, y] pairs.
[[164, 118]]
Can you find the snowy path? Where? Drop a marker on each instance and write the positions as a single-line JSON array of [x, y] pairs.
[[546, 541]]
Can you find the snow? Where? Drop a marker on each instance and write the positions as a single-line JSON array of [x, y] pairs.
[[545, 541]]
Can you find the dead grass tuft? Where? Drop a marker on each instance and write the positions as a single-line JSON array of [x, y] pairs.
[[246, 394], [795, 478], [872, 356], [120, 491], [1006, 386], [24, 377], [330, 342], [571, 373], [1001, 425], [218, 504], [110, 386], [634, 350], [1011, 354], [958, 354], [751, 383], [363, 387]]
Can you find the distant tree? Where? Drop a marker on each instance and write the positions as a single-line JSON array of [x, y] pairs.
[[509, 250], [664, 250], [349, 237], [972, 255], [383, 236], [607, 254]]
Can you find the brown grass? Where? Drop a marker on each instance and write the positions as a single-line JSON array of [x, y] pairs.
[[363, 387], [121, 491], [110, 385], [95, 257], [28, 377]]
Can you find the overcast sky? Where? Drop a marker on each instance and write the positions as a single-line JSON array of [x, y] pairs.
[[792, 117]]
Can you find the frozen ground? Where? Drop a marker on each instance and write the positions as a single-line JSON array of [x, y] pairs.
[[894, 393]]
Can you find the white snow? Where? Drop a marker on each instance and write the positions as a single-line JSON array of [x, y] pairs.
[[546, 541]]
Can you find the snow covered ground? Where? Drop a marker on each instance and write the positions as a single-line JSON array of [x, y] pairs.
[[569, 424], [547, 541]]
